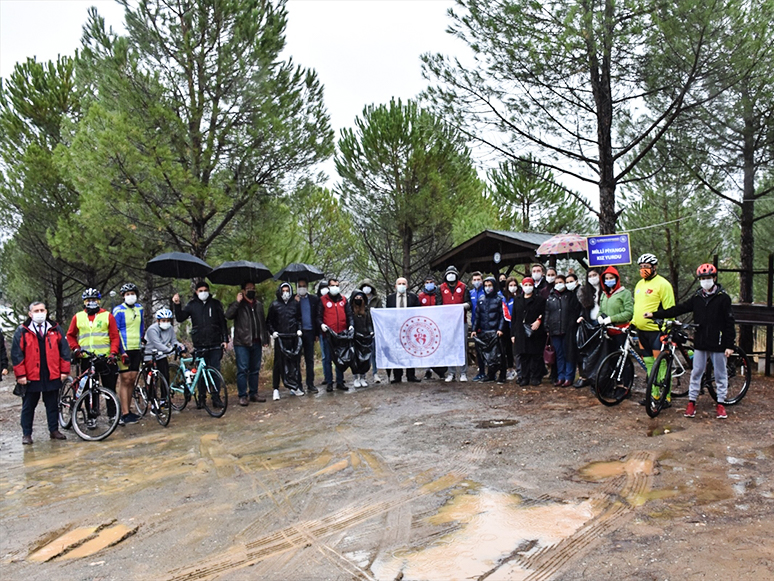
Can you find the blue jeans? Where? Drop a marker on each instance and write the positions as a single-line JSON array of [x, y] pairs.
[[30, 402], [565, 369], [248, 361], [325, 348]]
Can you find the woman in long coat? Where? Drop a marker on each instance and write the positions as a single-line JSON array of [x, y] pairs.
[[528, 311]]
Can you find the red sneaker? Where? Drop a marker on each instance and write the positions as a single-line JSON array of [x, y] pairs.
[[722, 415], [690, 411]]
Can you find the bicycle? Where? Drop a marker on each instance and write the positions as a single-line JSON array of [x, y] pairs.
[[616, 375], [194, 377], [151, 391], [93, 411]]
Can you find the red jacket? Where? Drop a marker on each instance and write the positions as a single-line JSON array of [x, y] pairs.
[[427, 299], [115, 338], [25, 353], [336, 314]]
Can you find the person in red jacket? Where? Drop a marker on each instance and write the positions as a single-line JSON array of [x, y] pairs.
[[429, 297], [334, 314], [454, 292], [41, 361]]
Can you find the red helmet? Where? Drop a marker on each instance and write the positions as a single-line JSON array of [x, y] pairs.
[[706, 270]]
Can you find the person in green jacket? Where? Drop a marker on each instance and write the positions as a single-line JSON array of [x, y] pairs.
[[616, 305]]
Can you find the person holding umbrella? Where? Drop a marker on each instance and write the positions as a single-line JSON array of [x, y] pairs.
[[209, 332], [250, 336]]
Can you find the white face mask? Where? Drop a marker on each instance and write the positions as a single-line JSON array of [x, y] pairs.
[[38, 318], [401, 288], [451, 277], [93, 305], [286, 296], [302, 290], [550, 278], [334, 290], [594, 281], [477, 284], [707, 284], [527, 288], [537, 275], [559, 286], [165, 325], [571, 285], [324, 291], [203, 296], [513, 289], [367, 290], [130, 299]]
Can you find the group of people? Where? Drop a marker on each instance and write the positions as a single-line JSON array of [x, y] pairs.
[[511, 322]]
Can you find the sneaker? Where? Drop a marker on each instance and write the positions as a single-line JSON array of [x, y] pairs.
[[298, 392], [479, 377], [722, 415], [275, 397], [377, 379], [363, 381], [511, 375], [312, 389], [130, 418], [449, 377], [690, 410], [356, 381], [428, 374], [463, 377]]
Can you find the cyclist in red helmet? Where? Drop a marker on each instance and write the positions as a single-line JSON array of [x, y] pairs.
[[714, 338]]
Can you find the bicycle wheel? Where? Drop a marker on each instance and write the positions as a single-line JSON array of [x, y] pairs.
[[92, 419], [659, 381], [211, 389], [161, 403], [614, 378], [681, 374], [739, 377], [140, 392], [66, 403], [179, 392]]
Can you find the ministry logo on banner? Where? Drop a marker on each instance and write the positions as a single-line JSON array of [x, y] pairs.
[[419, 336]]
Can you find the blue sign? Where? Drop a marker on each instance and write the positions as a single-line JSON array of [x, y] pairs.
[[609, 250]]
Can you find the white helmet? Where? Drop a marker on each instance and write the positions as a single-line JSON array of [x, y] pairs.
[[648, 258]]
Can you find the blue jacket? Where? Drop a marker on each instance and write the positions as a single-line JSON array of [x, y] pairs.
[[475, 297]]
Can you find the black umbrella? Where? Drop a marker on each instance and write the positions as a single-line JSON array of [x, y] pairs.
[[178, 265], [240, 271], [296, 270]]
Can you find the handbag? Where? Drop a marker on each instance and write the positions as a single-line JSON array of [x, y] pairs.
[[528, 330], [549, 355], [19, 389]]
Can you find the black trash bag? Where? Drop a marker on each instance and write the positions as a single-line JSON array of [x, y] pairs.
[[594, 351], [489, 344], [587, 335], [342, 348], [290, 347], [364, 347]]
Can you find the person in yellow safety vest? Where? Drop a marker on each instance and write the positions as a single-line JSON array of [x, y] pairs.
[[129, 317], [95, 330]]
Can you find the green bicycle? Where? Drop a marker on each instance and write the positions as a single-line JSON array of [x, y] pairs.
[[193, 377]]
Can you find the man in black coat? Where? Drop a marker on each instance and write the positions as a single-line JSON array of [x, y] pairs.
[[285, 318], [310, 328], [402, 299]]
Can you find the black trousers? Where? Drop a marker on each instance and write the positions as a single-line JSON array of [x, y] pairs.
[[30, 402], [531, 367], [307, 340], [398, 373]]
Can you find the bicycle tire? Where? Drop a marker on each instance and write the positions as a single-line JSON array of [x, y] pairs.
[[659, 381], [209, 388], [739, 377], [85, 410], [614, 378], [178, 389], [140, 393], [160, 401], [681, 384], [66, 403]]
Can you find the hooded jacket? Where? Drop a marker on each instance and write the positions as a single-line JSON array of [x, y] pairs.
[[489, 311], [375, 301], [284, 317], [208, 321], [616, 303], [362, 323]]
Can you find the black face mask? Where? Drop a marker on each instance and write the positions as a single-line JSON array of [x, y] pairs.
[[358, 302], [250, 294], [502, 284]]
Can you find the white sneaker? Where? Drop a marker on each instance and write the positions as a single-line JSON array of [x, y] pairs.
[[377, 379], [463, 377], [510, 375], [449, 377], [275, 397], [363, 381], [298, 392]]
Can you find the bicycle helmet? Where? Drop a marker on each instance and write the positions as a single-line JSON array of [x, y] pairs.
[[91, 293], [648, 258], [706, 270], [129, 287], [164, 314]]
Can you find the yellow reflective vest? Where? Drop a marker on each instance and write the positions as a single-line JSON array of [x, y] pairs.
[[94, 335]]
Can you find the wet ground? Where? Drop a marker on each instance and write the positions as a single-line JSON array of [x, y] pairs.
[[428, 481]]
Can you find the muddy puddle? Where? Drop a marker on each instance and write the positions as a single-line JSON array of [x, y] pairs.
[[81, 542], [663, 430], [599, 471], [487, 424]]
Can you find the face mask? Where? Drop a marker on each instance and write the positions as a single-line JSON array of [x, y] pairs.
[[550, 278], [401, 288], [646, 272], [334, 290], [513, 289], [559, 286], [324, 291], [286, 296], [367, 290], [358, 302], [38, 318], [488, 290], [250, 294], [502, 283], [165, 325], [302, 291], [707, 284], [571, 285], [594, 280], [477, 284], [430, 287], [451, 277], [203, 296], [610, 283], [92, 305], [527, 288], [537, 275], [130, 299]]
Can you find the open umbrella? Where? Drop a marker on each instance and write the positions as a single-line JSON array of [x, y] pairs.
[[296, 270], [178, 265], [238, 272], [563, 244]]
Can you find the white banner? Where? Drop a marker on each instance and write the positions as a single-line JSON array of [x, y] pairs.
[[419, 337]]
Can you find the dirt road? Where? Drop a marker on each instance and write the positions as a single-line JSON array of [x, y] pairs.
[[415, 481]]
